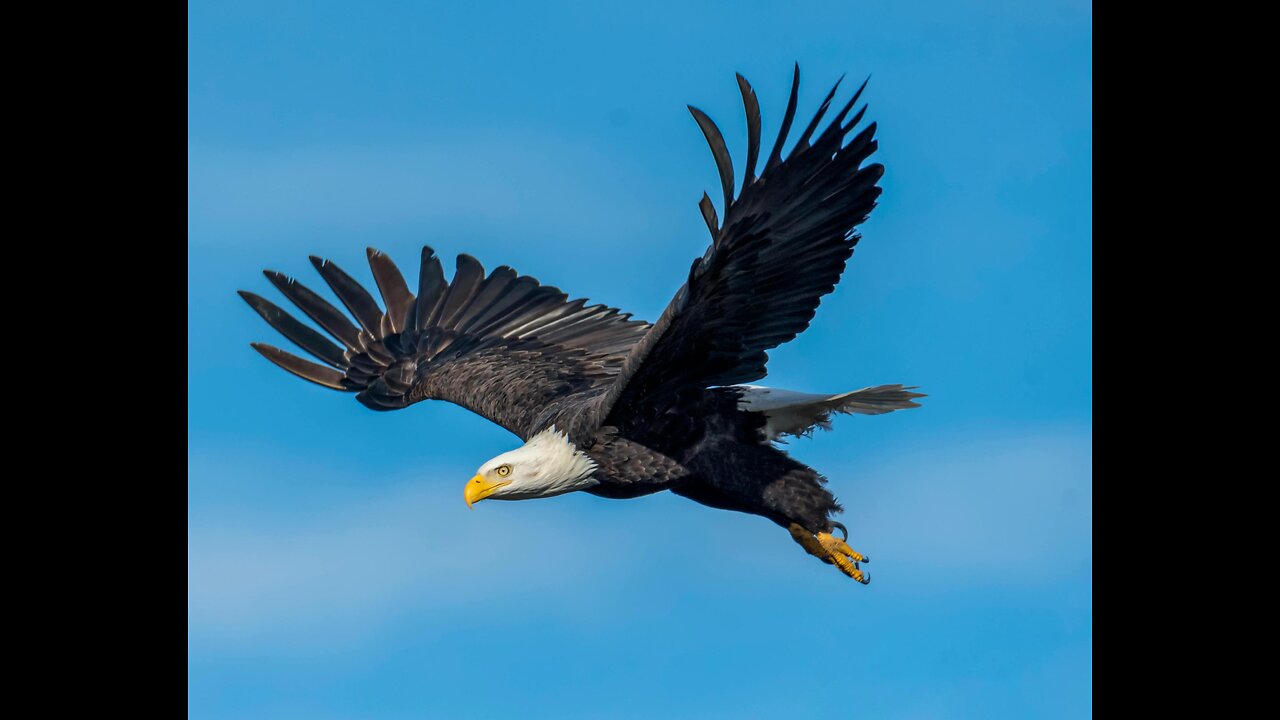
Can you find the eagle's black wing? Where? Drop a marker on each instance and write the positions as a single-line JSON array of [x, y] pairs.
[[514, 351], [783, 245]]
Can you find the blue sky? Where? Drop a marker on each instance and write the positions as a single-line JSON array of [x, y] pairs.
[[333, 569]]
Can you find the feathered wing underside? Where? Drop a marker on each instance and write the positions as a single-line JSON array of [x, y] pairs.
[[504, 346], [782, 246]]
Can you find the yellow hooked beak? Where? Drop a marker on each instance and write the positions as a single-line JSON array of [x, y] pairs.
[[478, 489]]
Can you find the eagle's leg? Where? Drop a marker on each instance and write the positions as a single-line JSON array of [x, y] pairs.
[[831, 550]]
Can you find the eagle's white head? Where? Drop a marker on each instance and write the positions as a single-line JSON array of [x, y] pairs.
[[548, 464]]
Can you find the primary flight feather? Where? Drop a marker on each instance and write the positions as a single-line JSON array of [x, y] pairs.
[[617, 407]]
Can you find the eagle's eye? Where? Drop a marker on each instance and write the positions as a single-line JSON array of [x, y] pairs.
[[503, 470]]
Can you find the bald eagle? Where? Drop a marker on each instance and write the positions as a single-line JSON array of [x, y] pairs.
[[617, 407]]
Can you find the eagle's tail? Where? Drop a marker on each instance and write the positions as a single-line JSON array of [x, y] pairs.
[[795, 413]]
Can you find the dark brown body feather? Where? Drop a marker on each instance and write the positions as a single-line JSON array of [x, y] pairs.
[[711, 452], [643, 401]]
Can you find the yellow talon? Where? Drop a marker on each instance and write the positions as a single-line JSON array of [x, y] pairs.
[[834, 544], [831, 550]]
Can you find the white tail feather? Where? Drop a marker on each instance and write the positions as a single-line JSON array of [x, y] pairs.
[[788, 412]]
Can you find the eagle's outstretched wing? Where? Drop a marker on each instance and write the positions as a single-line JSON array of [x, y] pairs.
[[783, 245], [503, 346]]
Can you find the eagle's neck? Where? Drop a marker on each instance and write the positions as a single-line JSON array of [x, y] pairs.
[[561, 466]]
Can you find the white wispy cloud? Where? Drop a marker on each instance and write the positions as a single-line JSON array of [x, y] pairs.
[[1004, 511], [503, 177], [1010, 509], [339, 569]]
